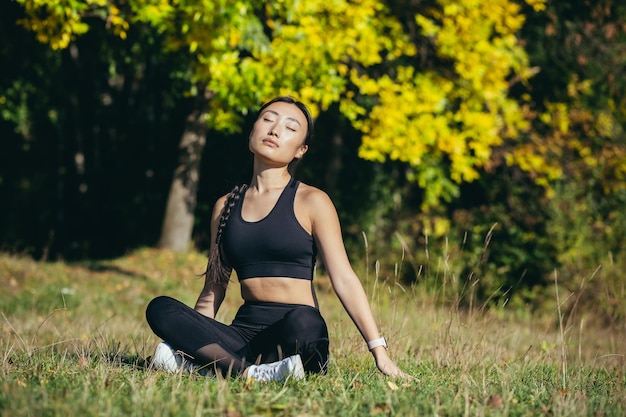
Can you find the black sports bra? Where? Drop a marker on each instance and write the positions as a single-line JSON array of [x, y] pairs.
[[275, 246]]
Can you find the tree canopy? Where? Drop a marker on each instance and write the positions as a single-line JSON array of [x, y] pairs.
[[446, 116]]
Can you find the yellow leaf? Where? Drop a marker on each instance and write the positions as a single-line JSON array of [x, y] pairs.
[[392, 385]]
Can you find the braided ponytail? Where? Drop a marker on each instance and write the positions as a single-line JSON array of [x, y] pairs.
[[216, 272]]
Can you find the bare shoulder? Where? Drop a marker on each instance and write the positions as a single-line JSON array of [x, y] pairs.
[[314, 197], [219, 206], [322, 216], [316, 203], [219, 203]]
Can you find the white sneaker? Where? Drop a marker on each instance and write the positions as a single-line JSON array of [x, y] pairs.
[[168, 360], [277, 371]]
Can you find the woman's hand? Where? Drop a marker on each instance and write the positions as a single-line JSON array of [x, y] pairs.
[[387, 366]]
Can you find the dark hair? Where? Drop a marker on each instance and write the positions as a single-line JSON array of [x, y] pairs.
[[218, 271]]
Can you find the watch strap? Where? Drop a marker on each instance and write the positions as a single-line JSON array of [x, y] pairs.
[[377, 342]]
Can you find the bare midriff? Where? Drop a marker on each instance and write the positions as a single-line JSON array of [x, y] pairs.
[[277, 290]]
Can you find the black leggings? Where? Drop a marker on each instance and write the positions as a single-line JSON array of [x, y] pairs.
[[260, 333]]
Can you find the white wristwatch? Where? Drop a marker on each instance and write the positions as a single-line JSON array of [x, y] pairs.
[[377, 342]]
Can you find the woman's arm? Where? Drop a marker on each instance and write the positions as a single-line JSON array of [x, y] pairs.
[[327, 232], [212, 295], [210, 300]]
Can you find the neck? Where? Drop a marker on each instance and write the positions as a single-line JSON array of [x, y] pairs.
[[271, 178]]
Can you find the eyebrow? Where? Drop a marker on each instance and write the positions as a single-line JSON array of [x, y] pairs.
[[289, 118]]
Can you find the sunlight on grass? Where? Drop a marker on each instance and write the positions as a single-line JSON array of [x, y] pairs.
[[75, 342]]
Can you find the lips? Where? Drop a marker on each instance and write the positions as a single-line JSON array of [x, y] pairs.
[[270, 142]]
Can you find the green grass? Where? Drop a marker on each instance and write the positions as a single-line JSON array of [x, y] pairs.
[[73, 341]]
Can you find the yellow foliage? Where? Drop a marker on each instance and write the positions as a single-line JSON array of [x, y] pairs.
[[578, 144], [315, 43], [537, 5], [443, 122], [58, 22], [426, 118]]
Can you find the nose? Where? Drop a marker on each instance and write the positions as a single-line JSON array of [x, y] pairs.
[[273, 131]]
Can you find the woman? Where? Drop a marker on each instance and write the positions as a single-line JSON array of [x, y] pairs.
[[269, 232]]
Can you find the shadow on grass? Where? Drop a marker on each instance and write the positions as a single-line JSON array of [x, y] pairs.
[[108, 268]]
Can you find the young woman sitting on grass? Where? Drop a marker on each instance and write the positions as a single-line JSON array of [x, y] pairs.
[[270, 233]]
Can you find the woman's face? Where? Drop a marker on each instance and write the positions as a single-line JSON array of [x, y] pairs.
[[278, 134]]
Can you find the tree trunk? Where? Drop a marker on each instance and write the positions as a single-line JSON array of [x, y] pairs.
[[181, 202]]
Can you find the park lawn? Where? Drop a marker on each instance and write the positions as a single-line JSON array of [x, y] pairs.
[[74, 341]]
